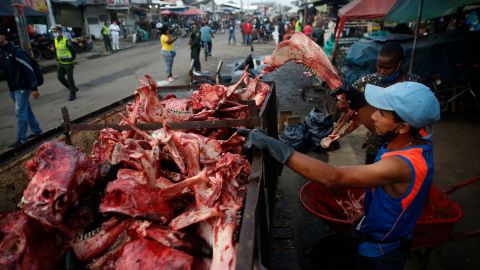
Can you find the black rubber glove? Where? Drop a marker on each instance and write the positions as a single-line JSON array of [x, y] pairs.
[[258, 141], [355, 98]]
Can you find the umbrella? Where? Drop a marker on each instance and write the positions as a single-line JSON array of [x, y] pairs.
[[167, 12], [193, 11]]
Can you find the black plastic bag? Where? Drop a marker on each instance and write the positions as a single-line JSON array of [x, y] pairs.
[[319, 125], [296, 136]]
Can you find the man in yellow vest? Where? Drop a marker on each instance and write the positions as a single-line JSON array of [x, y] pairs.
[[106, 37], [66, 60]]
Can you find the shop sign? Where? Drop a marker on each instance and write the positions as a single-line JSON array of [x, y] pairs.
[[118, 3], [38, 5]]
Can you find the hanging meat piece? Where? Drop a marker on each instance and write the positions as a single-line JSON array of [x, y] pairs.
[[303, 50]]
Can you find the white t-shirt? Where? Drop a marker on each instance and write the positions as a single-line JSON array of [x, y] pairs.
[[114, 29]]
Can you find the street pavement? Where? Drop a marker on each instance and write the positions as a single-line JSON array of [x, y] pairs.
[[103, 78]]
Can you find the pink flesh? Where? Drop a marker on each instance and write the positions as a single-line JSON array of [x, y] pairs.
[[147, 107], [90, 248], [143, 254], [162, 235], [133, 199], [177, 109], [224, 255], [165, 139], [301, 49], [209, 97], [190, 150], [188, 218], [178, 189]]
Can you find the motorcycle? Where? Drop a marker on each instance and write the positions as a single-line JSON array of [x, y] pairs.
[[185, 31], [82, 44], [138, 35], [42, 47]]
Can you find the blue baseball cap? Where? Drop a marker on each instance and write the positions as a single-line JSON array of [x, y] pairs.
[[414, 102]]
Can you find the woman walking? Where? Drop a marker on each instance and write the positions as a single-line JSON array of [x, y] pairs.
[[168, 50]]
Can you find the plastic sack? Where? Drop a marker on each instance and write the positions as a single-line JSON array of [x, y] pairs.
[[296, 136], [319, 125]]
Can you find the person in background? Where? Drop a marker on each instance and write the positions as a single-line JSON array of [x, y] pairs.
[[168, 50], [281, 28], [396, 185], [298, 25], [66, 61], [248, 30], [22, 83], [389, 72], [123, 29], [66, 33], [242, 21], [318, 32], [206, 35], [115, 32], [195, 47], [307, 30], [231, 29], [256, 28], [106, 37], [158, 27]]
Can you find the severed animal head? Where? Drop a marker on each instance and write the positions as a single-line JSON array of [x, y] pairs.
[[303, 50], [60, 175]]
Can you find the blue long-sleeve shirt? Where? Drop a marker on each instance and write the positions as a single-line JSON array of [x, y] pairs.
[[17, 68]]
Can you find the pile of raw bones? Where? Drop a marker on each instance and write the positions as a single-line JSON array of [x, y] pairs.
[[163, 199]]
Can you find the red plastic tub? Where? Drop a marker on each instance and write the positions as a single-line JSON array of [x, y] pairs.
[[434, 226]]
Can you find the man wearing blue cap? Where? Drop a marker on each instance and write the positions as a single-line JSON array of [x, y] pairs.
[[397, 183]]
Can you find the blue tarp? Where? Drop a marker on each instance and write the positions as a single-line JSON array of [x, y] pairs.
[[454, 56]]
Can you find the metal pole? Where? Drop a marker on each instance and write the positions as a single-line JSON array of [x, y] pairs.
[[85, 22], [417, 26], [51, 18], [304, 13], [21, 26]]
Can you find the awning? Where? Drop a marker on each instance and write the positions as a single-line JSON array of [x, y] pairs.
[[366, 9], [6, 9], [167, 12], [407, 10], [193, 11], [293, 10]]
